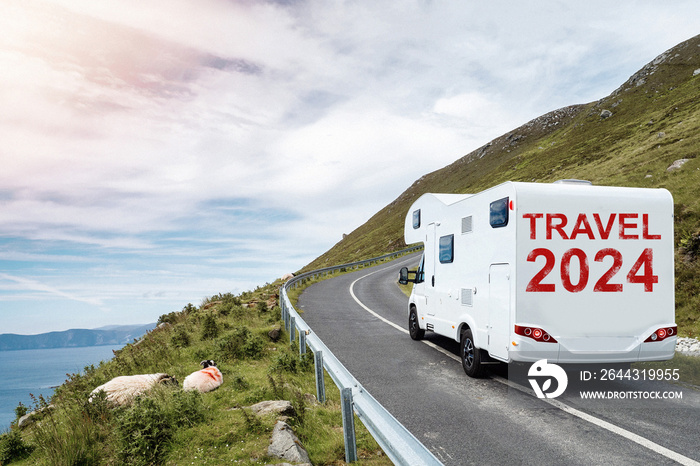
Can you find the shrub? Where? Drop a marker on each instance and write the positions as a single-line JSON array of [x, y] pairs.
[[189, 308], [254, 347], [144, 432], [175, 316], [285, 362], [20, 410], [241, 343], [187, 408], [180, 338], [99, 410], [210, 329], [169, 318], [225, 309], [230, 344], [299, 403], [238, 381], [231, 308], [275, 315], [262, 307], [145, 429], [223, 298], [12, 447], [690, 246], [290, 361]]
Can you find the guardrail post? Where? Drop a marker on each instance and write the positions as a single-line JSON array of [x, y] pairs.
[[292, 329], [320, 384], [284, 313], [348, 426], [302, 342]]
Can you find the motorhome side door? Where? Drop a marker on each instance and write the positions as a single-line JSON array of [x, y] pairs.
[[430, 256], [499, 310]]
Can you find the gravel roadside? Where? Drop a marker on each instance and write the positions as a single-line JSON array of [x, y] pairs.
[[688, 346]]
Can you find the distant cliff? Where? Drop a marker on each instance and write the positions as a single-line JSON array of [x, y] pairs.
[[112, 335]]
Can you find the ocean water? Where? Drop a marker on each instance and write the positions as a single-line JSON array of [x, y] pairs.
[[38, 371]]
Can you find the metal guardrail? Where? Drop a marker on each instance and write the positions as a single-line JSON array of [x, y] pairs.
[[294, 282], [396, 441]]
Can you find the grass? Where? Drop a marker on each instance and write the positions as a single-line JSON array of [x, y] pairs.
[[169, 426], [688, 368], [406, 289]]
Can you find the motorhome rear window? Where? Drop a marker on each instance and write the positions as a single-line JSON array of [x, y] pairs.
[[447, 247], [499, 213], [416, 219]]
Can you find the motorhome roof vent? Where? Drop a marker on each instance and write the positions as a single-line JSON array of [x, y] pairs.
[[582, 182]]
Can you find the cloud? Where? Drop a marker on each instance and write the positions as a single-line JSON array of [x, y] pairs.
[[23, 285], [154, 153]]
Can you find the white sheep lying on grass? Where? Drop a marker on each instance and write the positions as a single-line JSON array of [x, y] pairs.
[[205, 380], [123, 389]]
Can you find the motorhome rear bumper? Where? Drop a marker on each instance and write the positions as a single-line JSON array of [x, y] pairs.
[[592, 350]]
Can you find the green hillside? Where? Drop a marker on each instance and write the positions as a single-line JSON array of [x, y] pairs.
[[167, 425], [629, 138]]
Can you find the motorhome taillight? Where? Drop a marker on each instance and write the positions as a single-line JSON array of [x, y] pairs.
[[535, 333], [662, 334]]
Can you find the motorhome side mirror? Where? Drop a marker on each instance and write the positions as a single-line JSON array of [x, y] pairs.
[[403, 276]]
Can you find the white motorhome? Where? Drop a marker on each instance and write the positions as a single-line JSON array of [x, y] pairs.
[[568, 272]]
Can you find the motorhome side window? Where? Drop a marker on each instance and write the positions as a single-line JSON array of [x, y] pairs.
[[447, 247], [416, 219], [499, 213], [420, 273]]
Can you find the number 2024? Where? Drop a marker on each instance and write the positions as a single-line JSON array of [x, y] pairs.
[[645, 262]]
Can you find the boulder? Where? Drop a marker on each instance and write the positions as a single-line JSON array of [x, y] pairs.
[[275, 334], [26, 420], [280, 407], [29, 418], [677, 164], [285, 445]]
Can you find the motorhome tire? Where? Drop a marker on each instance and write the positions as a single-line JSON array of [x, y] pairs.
[[413, 326], [471, 355]]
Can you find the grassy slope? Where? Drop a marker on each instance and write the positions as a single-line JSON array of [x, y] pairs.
[[655, 121], [170, 426]]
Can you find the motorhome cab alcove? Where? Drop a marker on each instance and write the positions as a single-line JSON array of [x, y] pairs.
[[567, 271]]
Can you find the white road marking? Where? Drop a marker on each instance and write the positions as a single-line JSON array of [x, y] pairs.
[[555, 403]]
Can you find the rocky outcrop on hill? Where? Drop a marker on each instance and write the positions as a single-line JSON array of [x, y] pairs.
[[652, 74], [532, 130]]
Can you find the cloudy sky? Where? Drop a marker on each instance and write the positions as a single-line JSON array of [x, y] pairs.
[[157, 152]]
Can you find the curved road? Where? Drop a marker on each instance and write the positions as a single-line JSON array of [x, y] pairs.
[[362, 317]]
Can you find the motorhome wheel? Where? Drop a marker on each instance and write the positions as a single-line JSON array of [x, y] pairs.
[[471, 356], [413, 327]]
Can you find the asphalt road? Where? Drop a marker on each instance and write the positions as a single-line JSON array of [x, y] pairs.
[[362, 318]]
